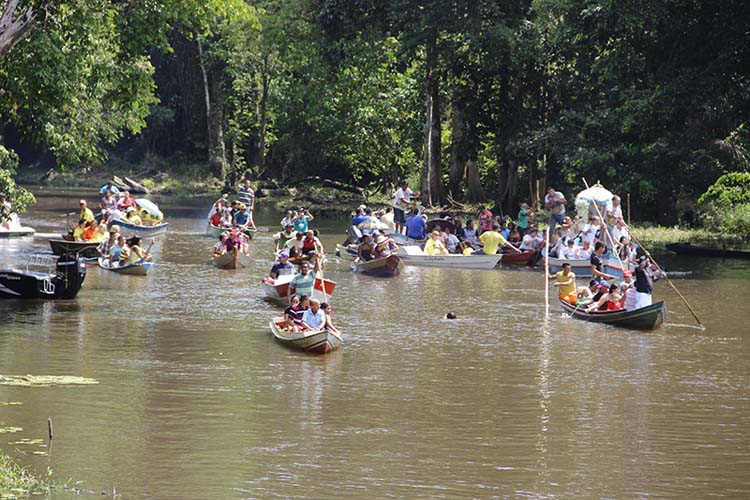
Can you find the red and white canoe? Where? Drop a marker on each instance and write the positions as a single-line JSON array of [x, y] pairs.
[[317, 341], [384, 267], [276, 289]]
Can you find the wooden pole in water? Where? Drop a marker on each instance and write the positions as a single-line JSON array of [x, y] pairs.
[[546, 277], [628, 209], [49, 428]]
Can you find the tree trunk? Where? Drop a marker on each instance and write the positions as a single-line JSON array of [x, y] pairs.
[[262, 116], [458, 152], [506, 197], [13, 28], [217, 155], [474, 183], [431, 168]]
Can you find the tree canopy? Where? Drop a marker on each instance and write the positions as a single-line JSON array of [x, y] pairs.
[[478, 101]]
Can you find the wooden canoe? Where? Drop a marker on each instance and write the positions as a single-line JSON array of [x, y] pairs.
[[226, 261], [414, 256], [137, 269], [137, 229], [519, 259], [384, 267], [315, 341], [644, 318], [276, 289], [714, 252]]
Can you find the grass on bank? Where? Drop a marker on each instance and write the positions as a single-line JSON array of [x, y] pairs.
[[18, 482]]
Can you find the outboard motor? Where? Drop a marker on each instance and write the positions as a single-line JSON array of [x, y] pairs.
[[71, 271]]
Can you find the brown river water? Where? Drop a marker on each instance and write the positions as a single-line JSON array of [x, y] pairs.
[[196, 400]]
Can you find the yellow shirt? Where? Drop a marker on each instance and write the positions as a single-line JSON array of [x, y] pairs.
[[135, 220], [78, 233], [87, 214], [569, 288], [468, 251], [433, 247], [492, 240]]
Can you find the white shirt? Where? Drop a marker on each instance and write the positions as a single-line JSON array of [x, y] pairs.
[[568, 252], [402, 195], [589, 233], [529, 242], [287, 221]]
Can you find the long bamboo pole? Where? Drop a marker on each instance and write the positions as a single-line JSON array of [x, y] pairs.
[[648, 254], [546, 277]]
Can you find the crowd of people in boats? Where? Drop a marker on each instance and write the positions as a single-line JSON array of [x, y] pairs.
[[306, 313], [236, 213]]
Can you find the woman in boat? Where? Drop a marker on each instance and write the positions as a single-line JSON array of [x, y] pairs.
[[328, 311], [138, 254], [289, 315], [220, 248], [226, 218], [133, 218], [470, 234], [382, 247], [433, 245], [366, 250], [609, 301]]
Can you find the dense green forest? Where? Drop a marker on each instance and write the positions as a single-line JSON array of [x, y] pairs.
[[474, 101]]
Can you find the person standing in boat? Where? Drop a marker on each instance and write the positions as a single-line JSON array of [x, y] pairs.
[[629, 293], [597, 263], [555, 202], [415, 225], [612, 214], [86, 213], [644, 283], [246, 194], [566, 284], [302, 284], [401, 201]]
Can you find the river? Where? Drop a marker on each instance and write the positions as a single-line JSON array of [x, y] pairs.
[[196, 400]]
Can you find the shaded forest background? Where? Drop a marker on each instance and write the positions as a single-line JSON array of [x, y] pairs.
[[473, 101]]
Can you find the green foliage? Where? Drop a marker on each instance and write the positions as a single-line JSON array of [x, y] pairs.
[[737, 221], [17, 481], [730, 189], [19, 197]]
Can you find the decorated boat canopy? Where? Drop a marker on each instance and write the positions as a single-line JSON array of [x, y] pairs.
[[150, 207], [595, 194]]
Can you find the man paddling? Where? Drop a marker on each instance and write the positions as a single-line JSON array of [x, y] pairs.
[[566, 284]]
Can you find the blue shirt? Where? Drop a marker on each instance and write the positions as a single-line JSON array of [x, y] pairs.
[[359, 219], [316, 321], [300, 225], [240, 218], [415, 227]]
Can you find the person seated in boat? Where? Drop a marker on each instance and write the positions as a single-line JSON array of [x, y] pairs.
[[106, 245], [597, 263], [454, 245], [568, 250], [370, 222], [126, 202], [366, 248], [302, 220], [78, 229], [282, 267], [308, 243], [611, 300], [86, 213], [505, 229], [443, 235], [434, 246], [289, 324], [584, 251], [297, 311], [118, 252], [244, 218], [90, 230], [470, 235], [328, 311], [382, 247], [302, 283], [137, 253], [294, 248], [315, 260], [415, 225], [132, 217], [590, 230], [568, 228], [595, 290], [107, 203], [101, 234], [466, 248], [556, 242], [220, 248], [566, 284], [493, 240], [314, 318], [288, 219], [387, 219], [226, 218], [215, 218], [515, 237], [532, 241]]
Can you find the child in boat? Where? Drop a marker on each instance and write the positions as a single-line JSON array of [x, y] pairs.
[[220, 247], [328, 310], [288, 315]]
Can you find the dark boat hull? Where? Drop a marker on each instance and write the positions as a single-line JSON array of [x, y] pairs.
[[382, 268], [86, 249], [722, 253], [645, 318], [519, 259], [25, 284]]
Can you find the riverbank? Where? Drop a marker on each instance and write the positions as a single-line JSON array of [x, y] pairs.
[[17, 481]]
